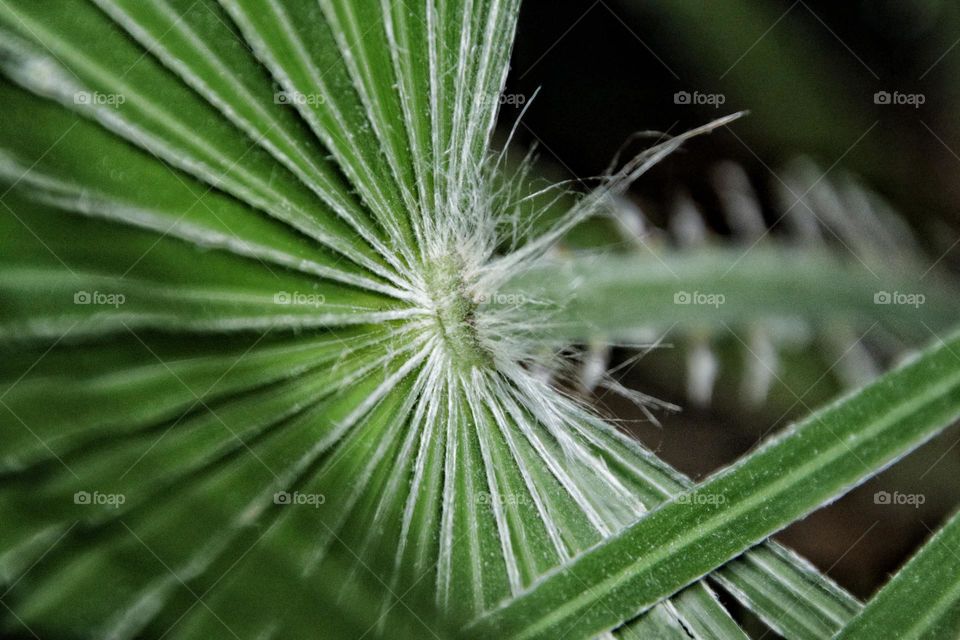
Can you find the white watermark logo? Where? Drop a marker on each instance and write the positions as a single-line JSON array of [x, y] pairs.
[[899, 298], [96, 498], [699, 298], [298, 98], [296, 298], [702, 498], [486, 498], [897, 98], [99, 99], [99, 298], [515, 100], [714, 100], [896, 498], [296, 498], [501, 298]]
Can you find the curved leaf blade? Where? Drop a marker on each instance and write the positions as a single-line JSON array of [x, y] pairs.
[[697, 532], [922, 600]]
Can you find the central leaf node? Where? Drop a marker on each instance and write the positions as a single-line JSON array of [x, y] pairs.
[[456, 313]]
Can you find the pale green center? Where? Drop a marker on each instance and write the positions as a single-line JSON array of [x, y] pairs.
[[455, 314]]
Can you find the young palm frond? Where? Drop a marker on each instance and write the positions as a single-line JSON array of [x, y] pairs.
[[272, 324]]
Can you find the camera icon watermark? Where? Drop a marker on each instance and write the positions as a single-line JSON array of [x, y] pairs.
[[514, 499], [95, 98], [298, 499], [99, 298], [714, 100], [899, 99], [96, 498], [297, 298], [297, 98], [699, 298], [898, 499], [485, 101], [506, 299], [702, 498], [899, 298]]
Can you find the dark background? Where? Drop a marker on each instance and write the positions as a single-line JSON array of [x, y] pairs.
[[807, 72]]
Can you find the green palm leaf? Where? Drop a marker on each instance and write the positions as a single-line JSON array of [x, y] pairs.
[[922, 600], [257, 379], [800, 470]]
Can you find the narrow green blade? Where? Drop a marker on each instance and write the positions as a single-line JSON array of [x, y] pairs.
[[797, 472], [712, 287], [922, 600]]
